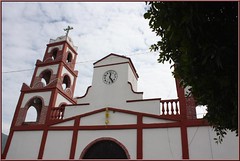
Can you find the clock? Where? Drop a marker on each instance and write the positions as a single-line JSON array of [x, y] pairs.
[[110, 76]]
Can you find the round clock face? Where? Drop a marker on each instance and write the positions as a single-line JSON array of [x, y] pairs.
[[110, 77]]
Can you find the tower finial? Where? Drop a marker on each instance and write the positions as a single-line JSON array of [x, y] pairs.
[[67, 29]]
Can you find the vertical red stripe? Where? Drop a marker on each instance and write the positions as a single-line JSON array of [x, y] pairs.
[[184, 138], [4, 155], [43, 142], [74, 138], [139, 137]]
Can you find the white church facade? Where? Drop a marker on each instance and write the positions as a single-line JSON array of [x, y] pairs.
[[112, 120]]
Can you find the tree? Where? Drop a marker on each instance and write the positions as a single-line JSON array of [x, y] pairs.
[[201, 38]]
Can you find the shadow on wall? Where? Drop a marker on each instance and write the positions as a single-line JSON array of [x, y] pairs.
[[4, 140]]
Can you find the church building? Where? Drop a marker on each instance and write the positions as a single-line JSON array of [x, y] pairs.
[[111, 121]]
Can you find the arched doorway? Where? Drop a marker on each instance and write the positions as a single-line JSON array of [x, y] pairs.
[[105, 148]]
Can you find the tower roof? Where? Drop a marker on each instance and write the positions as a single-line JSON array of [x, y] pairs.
[[63, 38]]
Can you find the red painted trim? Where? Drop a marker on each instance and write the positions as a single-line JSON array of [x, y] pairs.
[[139, 137], [34, 76], [101, 139], [161, 125], [167, 117], [133, 90], [29, 127], [197, 122], [139, 100], [112, 54], [74, 138], [184, 140], [9, 140], [85, 93], [42, 145], [80, 104]]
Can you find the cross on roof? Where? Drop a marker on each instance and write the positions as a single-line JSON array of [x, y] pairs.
[[67, 29]]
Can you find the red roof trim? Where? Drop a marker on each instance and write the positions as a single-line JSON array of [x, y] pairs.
[[85, 93]]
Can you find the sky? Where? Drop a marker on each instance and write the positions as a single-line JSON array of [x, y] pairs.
[[99, 29]]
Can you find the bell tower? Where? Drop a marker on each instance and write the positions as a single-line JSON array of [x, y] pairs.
[[52, 85]]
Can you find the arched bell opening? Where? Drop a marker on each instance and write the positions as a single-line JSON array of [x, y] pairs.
[[45, 77], [69, 57], [66, 83], [54, 53]]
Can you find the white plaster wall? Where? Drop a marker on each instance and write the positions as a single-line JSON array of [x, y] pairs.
[[115, 118], [58, 145], [25, 145], [151, 107], [125, 137], [60, 99], [64, 70], [202, 144], [53, 67], [163, 143], [132, 79], [57, 46], [150, 120], [44, 95]]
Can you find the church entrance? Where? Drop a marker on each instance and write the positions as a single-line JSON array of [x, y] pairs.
[[105, 149]]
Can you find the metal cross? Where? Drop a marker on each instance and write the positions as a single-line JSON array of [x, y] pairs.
[[67, 29]]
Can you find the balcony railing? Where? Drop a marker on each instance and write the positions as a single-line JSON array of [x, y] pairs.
[[57, 113], [169, 107]]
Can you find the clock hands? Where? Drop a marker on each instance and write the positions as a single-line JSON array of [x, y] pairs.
[[110, 77]]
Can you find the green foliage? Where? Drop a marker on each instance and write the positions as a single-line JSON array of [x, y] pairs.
[[201, 38]]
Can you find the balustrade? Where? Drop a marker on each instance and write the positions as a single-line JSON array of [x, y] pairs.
[[57, 113], [169, 107]]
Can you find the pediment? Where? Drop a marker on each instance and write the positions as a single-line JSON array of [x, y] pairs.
[[111, 59], [114, 116]]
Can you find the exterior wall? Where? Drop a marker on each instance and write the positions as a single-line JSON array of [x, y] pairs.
[[202, 144], [164, 143], [126, 137], [151, 107], [115, 118], [60, 47], [64, 70], [132, 78], [60, 99], [44, 95], [58, 145], [69, 50], [53, 67], [25, 145]]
